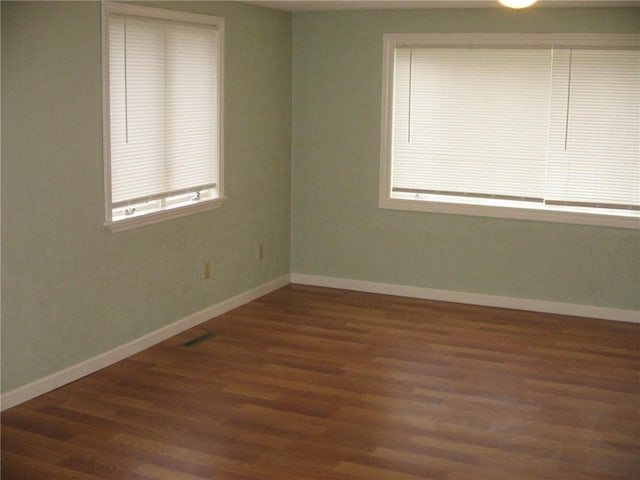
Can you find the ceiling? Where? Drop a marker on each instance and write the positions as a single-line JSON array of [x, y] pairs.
[[316, 5]]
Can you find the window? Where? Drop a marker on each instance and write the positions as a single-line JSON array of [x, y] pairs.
[[542, 127], [163, 139]]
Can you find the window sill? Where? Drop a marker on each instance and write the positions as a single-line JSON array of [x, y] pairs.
[[540, 214], [160, 216]]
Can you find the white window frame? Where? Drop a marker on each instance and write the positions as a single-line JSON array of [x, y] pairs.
[[154, 211], [490, 208]]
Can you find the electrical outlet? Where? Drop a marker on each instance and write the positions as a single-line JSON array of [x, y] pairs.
[[207, 270], [260, 251]]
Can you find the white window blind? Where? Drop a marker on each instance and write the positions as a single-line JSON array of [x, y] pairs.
[[471, 122], [595, 118], [526, 126], [163, 112]]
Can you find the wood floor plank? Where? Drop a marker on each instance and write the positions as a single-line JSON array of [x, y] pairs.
[[26, 467], [311, 383]]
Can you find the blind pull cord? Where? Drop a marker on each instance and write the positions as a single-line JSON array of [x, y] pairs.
[[126, 96], [410, 85], [566, 122]]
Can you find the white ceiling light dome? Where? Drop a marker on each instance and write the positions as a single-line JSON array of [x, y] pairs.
[[517, 3]]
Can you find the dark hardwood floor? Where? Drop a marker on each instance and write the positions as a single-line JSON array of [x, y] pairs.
[[315, 383]]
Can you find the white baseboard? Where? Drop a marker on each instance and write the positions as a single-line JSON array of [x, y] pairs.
[[71, 374], [591, 311]]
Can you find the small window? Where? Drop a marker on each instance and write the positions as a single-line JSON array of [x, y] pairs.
[[163, 84], [542, 127]]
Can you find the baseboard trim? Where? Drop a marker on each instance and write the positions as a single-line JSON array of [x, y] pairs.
[[590, 311], [75, 372]]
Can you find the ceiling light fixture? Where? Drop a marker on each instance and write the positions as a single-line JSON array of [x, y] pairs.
[[517, 4]]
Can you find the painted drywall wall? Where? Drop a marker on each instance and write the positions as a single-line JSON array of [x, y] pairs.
[[338, 229], [70, 288]]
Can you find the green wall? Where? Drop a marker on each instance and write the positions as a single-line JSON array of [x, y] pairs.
[[70, 288], [338, 229]]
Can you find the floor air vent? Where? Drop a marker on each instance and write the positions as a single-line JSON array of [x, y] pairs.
[[198, 339]]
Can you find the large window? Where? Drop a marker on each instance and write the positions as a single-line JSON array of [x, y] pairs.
[[542, 127], [163, 113]]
